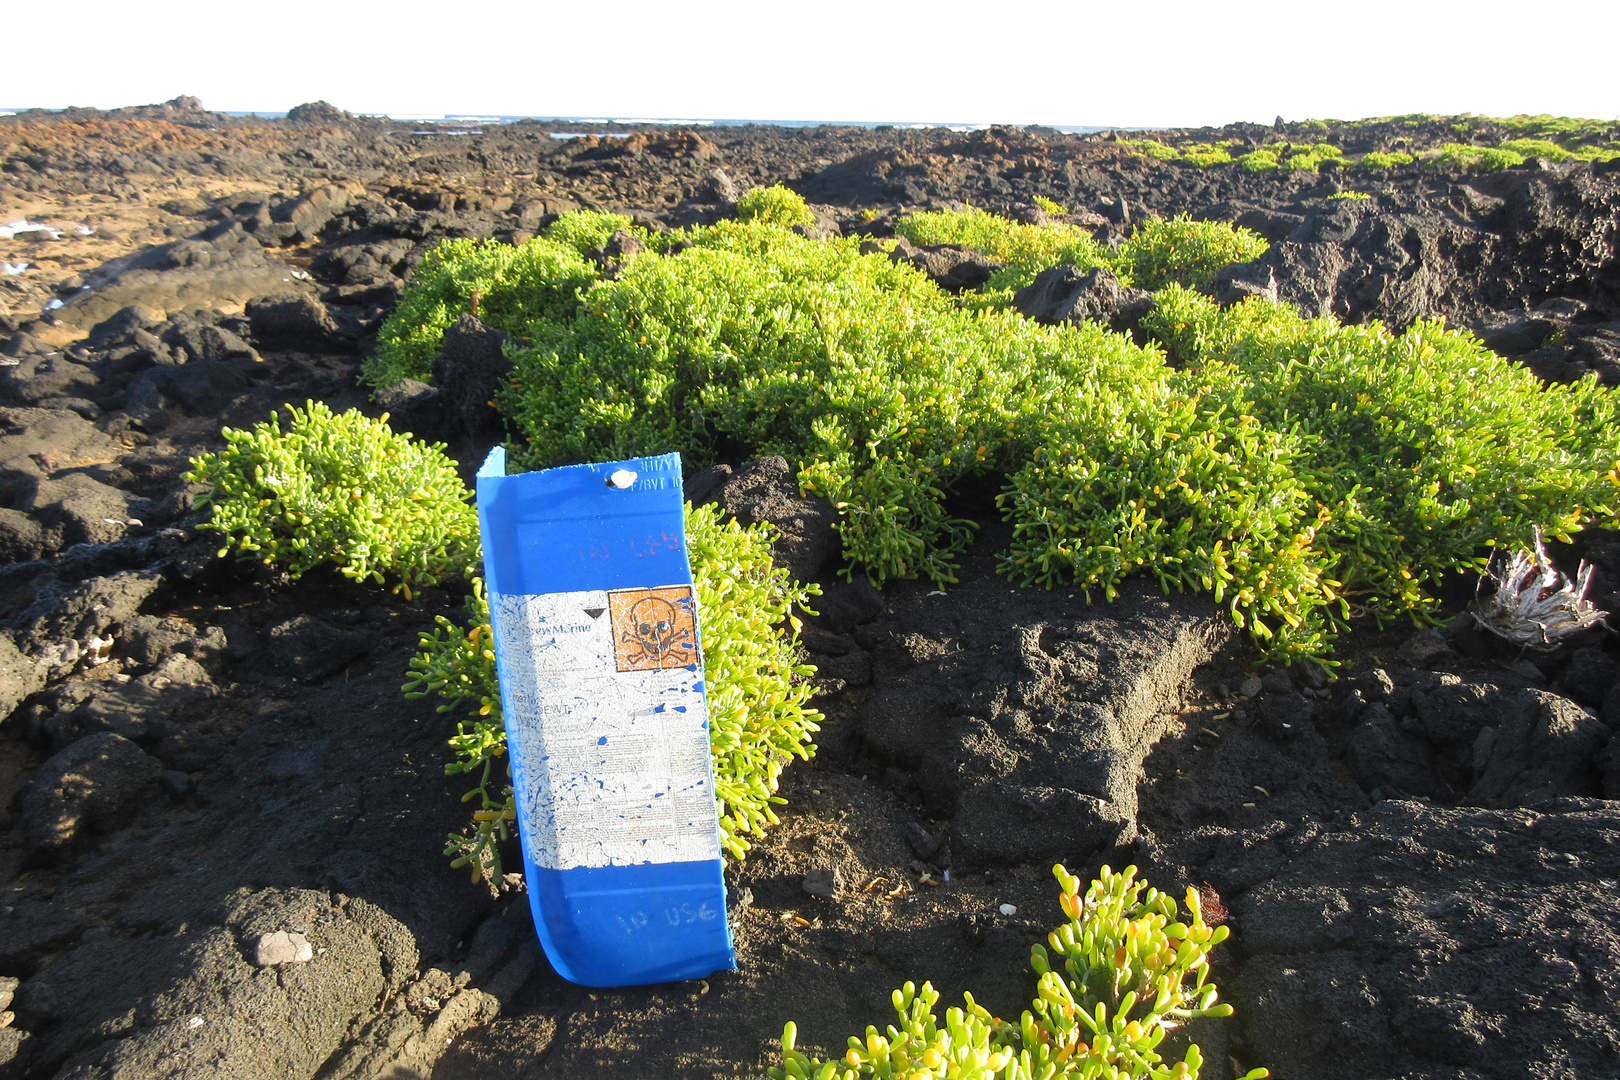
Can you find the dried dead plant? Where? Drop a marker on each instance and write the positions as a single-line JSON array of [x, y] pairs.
[[1534, 605]]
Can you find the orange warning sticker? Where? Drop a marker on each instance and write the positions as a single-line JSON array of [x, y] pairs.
[[654, 628]]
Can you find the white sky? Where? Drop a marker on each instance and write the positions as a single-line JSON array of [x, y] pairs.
[[1165, 63]]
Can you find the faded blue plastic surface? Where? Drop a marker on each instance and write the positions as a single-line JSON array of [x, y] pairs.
[[569, 530]]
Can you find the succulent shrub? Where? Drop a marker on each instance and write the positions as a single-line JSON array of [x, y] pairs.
[[1002, 239], [1554, 138], [347, 490], [1124, 971], [1547, 124], [509, 287], [1153, 148], [1310, 158], [341, 489], [1051, 206], [865, 375], [1175, 478], [1182, 251], [1423, 449], [1529, 148], [756, 690], [1468, 156], [1205, 154], [1300, 470], [1023, 249], [774, 205], [586, 229], [1158, 252], [1377, 159]]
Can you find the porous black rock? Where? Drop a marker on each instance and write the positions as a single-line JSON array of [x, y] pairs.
[[952, 267], [294, 321], [1414, 934], [85, 785], [766, 490], [470, 367], [415, 408], [1068, 294]]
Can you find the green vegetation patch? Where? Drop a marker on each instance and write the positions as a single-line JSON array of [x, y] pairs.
[[861, 371], [1492, 143], [1513, 152], [774, 205], [1259, 161], [1300, 470], [1001, 238], [1181, 251], [586, 229], [1388, 461], [1379, 160], [345, 490], [1205, 154], [1153, 148], [509, 286], [1468, 156], [1024, 249], [1124, 971], [1187, 153], [1303, 157], [1158, 251]]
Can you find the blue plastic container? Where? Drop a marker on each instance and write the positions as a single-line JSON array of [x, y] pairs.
[[598, 649]]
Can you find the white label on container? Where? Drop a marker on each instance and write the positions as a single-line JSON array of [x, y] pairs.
[[606, 720]]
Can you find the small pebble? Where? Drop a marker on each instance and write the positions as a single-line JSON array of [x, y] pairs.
[[280, 948], [824, 881], [1251, 687], [175, 784], [1278, 682], [1009, 910]]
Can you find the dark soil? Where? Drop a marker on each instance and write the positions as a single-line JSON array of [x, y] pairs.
[[1419, 859]]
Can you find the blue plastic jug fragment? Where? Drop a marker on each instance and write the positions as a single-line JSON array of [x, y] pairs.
[[599, 653]]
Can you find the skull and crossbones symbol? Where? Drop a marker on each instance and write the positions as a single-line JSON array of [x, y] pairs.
[[653, 632]]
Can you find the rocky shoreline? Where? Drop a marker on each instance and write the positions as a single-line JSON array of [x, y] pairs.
[[221, 840]]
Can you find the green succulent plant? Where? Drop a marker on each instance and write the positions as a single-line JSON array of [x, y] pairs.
[[1179, 250], [508, 286], [774, 205], [1380, 160], [1159, 251], [1124, 971], [1259, 161], [586, 229], [1300, 470], [340, 489]]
